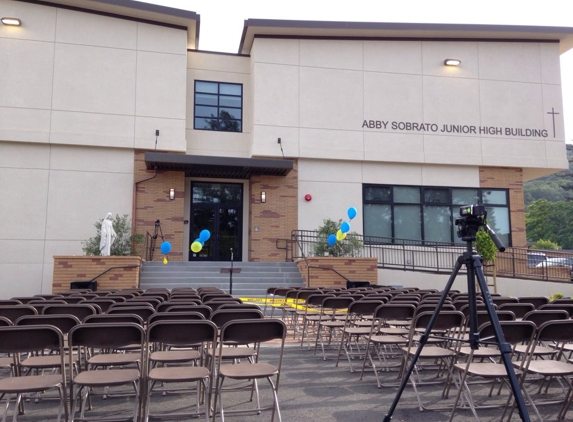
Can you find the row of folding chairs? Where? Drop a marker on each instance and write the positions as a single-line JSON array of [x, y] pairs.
[[385, 337], [166, 351]]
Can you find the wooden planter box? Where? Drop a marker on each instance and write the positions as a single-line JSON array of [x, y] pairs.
[[123, 271], [330, 271]]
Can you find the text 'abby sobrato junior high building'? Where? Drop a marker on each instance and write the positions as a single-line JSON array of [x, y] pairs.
[[108, 106]]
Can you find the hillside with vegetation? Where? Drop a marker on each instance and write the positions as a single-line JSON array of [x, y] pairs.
[[549, 208]]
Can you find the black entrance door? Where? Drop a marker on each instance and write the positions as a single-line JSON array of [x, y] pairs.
[[217, 207]]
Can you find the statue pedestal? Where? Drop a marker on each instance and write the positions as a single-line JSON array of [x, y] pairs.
[[122, 271]]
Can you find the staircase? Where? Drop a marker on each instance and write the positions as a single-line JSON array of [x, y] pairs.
[[250, 279]]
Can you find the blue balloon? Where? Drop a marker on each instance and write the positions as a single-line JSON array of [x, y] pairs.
[[352, 212], [165, 248], [204, 235], [332, 240], [345, 227], [198, 240]]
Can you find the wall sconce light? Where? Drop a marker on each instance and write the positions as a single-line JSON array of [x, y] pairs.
[[11, 21], [171, 194], [452, 62], [263, 197]]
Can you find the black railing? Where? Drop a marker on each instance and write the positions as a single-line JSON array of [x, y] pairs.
[[412, 255]]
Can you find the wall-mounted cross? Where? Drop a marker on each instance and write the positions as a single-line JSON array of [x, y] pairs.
[[553, 113]]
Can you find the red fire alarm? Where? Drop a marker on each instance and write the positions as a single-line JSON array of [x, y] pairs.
[[307, 197]]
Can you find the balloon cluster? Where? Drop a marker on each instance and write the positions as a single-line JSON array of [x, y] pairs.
[[165, 249], [344, 228], [198, 243]]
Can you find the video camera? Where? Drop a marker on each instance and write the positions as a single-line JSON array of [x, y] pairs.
[[472, 217]]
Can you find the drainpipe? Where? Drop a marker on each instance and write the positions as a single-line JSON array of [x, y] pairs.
[[134, 200]]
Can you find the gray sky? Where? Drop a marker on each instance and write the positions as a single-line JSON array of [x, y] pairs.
[[222, 20]]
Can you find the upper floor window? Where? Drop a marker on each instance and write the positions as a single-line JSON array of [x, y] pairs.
[[218, 106]]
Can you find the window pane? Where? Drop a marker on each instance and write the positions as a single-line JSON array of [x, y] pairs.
[[231, 113], [209, 124], [231, 89], [494, 197], [498, 221], [437, 196], [206, 99], [464, 196], [378, 220], [409, 195], [377, 194], [230, 101], [437, 222], [229, 125], [407, 222], [204, 111], [201, 86]]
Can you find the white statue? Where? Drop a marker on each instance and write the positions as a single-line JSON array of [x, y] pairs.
[[107, 234]]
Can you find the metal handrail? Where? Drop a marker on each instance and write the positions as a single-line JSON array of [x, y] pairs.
[[439, 257]]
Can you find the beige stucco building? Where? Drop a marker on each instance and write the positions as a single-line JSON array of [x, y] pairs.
[[108, 106]]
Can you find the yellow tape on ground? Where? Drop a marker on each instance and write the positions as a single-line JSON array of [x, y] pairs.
[[281, 302]]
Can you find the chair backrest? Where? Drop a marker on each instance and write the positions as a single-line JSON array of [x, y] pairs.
[[514, 332], [483, 317], [183, 303], [336, 303], [394, 311], [49, 296], [204, 309], [500, 300], [240, 306], [216, 304], [558, 306], [4, 302], [363, 307], [143, 311], [560, 331], [444, 321], [174, 316], [20, 339], [145, 300], [104, 304], [210, 295], [113, 318], [63, 322], [519, 309], [73, 299], [13, 312], [25, 299], [5, 322], [79, 310], [106, 335], [317, 299], [253, 331], [182, 333], [539, 316], [222, 316], [536, 301]]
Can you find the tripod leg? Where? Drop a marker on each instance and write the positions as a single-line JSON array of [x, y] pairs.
[[504, 347], [424, 339]]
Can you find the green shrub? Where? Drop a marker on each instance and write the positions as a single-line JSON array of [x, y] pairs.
[[350, 246], [545, 244], [125, 243]]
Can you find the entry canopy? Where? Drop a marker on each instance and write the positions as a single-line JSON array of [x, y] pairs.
[[217, 167]]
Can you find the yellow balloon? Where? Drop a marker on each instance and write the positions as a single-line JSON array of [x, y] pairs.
[[196, 247], [340, 236], [165, 261]]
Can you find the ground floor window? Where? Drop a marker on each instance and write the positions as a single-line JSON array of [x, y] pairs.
[[427, 214]]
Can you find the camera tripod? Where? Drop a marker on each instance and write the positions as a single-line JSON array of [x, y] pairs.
[[467, 228]]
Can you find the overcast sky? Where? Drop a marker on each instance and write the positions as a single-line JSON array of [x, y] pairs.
[[222, 20]]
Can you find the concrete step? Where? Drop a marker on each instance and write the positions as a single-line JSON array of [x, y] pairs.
[[250, 279]]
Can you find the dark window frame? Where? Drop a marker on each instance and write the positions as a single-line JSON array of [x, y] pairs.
[[217, 122], [454, 208]]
